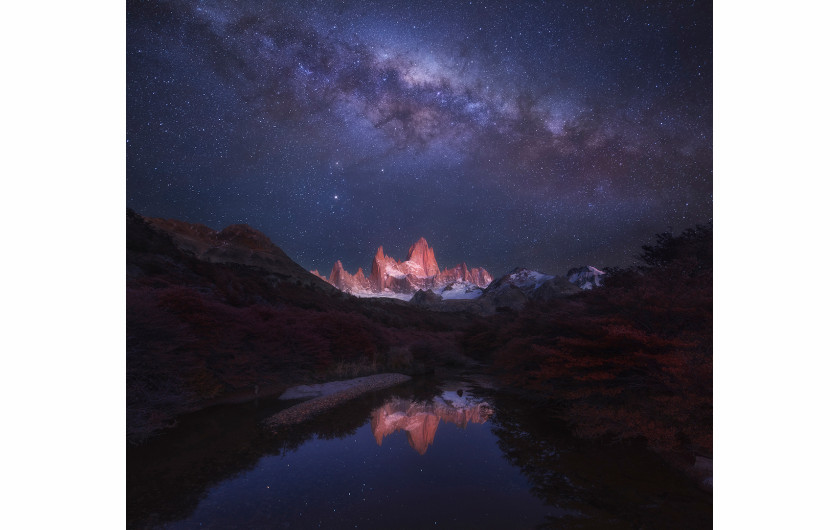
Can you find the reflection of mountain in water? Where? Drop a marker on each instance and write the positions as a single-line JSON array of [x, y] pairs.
[[169, 474], [420, 420]]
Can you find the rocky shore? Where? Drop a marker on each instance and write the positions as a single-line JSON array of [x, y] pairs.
[[329, 396]]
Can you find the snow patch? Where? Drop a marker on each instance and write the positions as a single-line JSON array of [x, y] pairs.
[[387, 293], [393, 272], [414, 269], [585, 277], [529, 278], [460, 291]]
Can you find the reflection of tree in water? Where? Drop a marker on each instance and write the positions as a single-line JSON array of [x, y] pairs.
[[167, 477], [598, 485]]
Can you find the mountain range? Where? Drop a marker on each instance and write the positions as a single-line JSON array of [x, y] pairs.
[[420, 280], [401, 279]]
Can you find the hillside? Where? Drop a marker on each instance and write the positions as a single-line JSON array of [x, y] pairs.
[[219, 316]]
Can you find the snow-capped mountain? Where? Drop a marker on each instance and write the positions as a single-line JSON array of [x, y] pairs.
[[461, 290], [585, 277], [401, 279], [514, 289], [420, 272], [523, 279]]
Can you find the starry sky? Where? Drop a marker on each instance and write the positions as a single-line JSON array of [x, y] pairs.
[[540, 134]]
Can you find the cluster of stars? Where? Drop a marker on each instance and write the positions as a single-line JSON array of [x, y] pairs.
[[542, 134]]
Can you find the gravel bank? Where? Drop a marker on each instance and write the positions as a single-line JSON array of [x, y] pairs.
[[357, 387]]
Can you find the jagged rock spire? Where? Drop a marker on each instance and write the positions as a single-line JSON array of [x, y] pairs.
[[422, 254], [420, 270]]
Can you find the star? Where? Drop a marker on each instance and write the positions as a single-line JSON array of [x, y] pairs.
[[496, 130]]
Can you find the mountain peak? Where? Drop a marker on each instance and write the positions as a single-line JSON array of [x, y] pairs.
[[336, 273], [343, 280], [424, 256], [420, 244], [522, 278]]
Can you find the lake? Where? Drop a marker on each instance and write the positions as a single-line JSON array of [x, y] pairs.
[[433, 453]]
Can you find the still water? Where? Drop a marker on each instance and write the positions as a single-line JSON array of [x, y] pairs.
[[429, 454]]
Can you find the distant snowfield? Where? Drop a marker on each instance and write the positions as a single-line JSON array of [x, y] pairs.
[[392, 271], [529, 278], [383, 294], [460, 291], [586, 278], [457, 291]]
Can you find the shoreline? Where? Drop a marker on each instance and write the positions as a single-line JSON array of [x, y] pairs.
[[329, 397]]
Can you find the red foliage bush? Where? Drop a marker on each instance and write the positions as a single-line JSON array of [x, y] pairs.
[[632, 359]]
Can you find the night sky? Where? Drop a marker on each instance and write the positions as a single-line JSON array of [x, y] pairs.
[[540, 134]]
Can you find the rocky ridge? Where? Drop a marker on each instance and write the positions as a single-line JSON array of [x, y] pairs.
[[401, 279], [236, 244]]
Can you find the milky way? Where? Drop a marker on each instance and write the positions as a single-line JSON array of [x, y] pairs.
[[540, 134]]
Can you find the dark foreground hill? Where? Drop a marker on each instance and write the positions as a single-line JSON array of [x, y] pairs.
[[218, 316]]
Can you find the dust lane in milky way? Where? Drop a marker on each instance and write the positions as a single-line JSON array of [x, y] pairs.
[[541, 134]]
